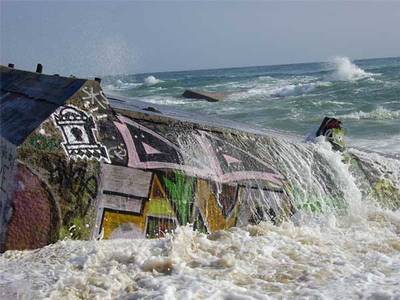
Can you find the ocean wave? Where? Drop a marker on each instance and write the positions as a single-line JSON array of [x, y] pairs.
[[384, 144], [345, 70], [283, 90], [294, 89], [379, 113], [119, 85], [166, 100], [151, 80]]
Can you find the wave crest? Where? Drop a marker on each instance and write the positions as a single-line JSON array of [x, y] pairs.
[[122, 85], [151, 80], [281, 91], [294, 89], [379, 113], [345, 70]]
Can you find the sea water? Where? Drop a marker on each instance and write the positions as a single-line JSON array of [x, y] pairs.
[[364, 94], [346, 251]]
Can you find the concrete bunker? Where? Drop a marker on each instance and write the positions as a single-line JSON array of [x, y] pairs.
[[78, 164]]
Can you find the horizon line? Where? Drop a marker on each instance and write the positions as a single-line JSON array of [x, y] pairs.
[[248, 66]]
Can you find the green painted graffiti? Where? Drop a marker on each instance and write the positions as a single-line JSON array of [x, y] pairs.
[[180, 190], [317, 204]]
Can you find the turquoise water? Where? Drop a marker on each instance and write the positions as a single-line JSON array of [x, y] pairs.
[[364, 94]]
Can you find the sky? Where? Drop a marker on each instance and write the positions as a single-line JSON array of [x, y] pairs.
[[87, 38]]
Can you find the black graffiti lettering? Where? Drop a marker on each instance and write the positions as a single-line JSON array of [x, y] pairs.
[[75, 184]]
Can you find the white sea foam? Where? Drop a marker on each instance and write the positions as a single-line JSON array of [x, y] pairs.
[[385, 144], [281, 88], [317, 256], [345, 70], [379, 113], [321, 258], [294, 89], [119, 85], [151, 80]]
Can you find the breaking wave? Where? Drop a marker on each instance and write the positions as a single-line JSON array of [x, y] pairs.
[[282, 91], [120, 85], [345, 70], [379, 113], [296, 89], [151, 80]]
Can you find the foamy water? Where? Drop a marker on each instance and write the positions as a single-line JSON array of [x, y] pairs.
[[322, 257], [333, 254]]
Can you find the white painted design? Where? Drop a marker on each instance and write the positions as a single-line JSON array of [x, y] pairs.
[[92, 98], [117, 152], [78, 129]]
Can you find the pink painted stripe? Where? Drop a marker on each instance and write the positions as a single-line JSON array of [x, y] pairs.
[[246, 175], [130, 146], [141, 127]]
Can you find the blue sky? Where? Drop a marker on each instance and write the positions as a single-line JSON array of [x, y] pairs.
[[87, 38]]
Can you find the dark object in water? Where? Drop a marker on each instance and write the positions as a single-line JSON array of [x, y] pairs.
[[331, 128], [39, 68], [210, 97], [152, 109]]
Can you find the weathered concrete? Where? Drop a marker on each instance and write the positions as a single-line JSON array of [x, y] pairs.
[[98, 171], [210, 97]]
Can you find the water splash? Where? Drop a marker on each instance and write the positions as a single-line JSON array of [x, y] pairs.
[[151, 80], [345, 70]]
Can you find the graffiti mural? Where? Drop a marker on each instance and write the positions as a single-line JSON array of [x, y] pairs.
[[121, 224], [211, 210], [94, 99], [160, 186], [118, 152], [149, 202], [157, 227], [35, 223], [223, 161], [180, 188], [234, 164], [176, 199], [76, 186], [263, 204], [91, 170], [78, 129]]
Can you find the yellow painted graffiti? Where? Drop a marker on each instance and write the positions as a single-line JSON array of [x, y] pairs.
[[113, 220], [208, 205]]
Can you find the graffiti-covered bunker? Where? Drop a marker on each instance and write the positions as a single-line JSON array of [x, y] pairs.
[[76, 164]]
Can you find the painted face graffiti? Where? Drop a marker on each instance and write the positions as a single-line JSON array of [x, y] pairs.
[[78, 130]]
